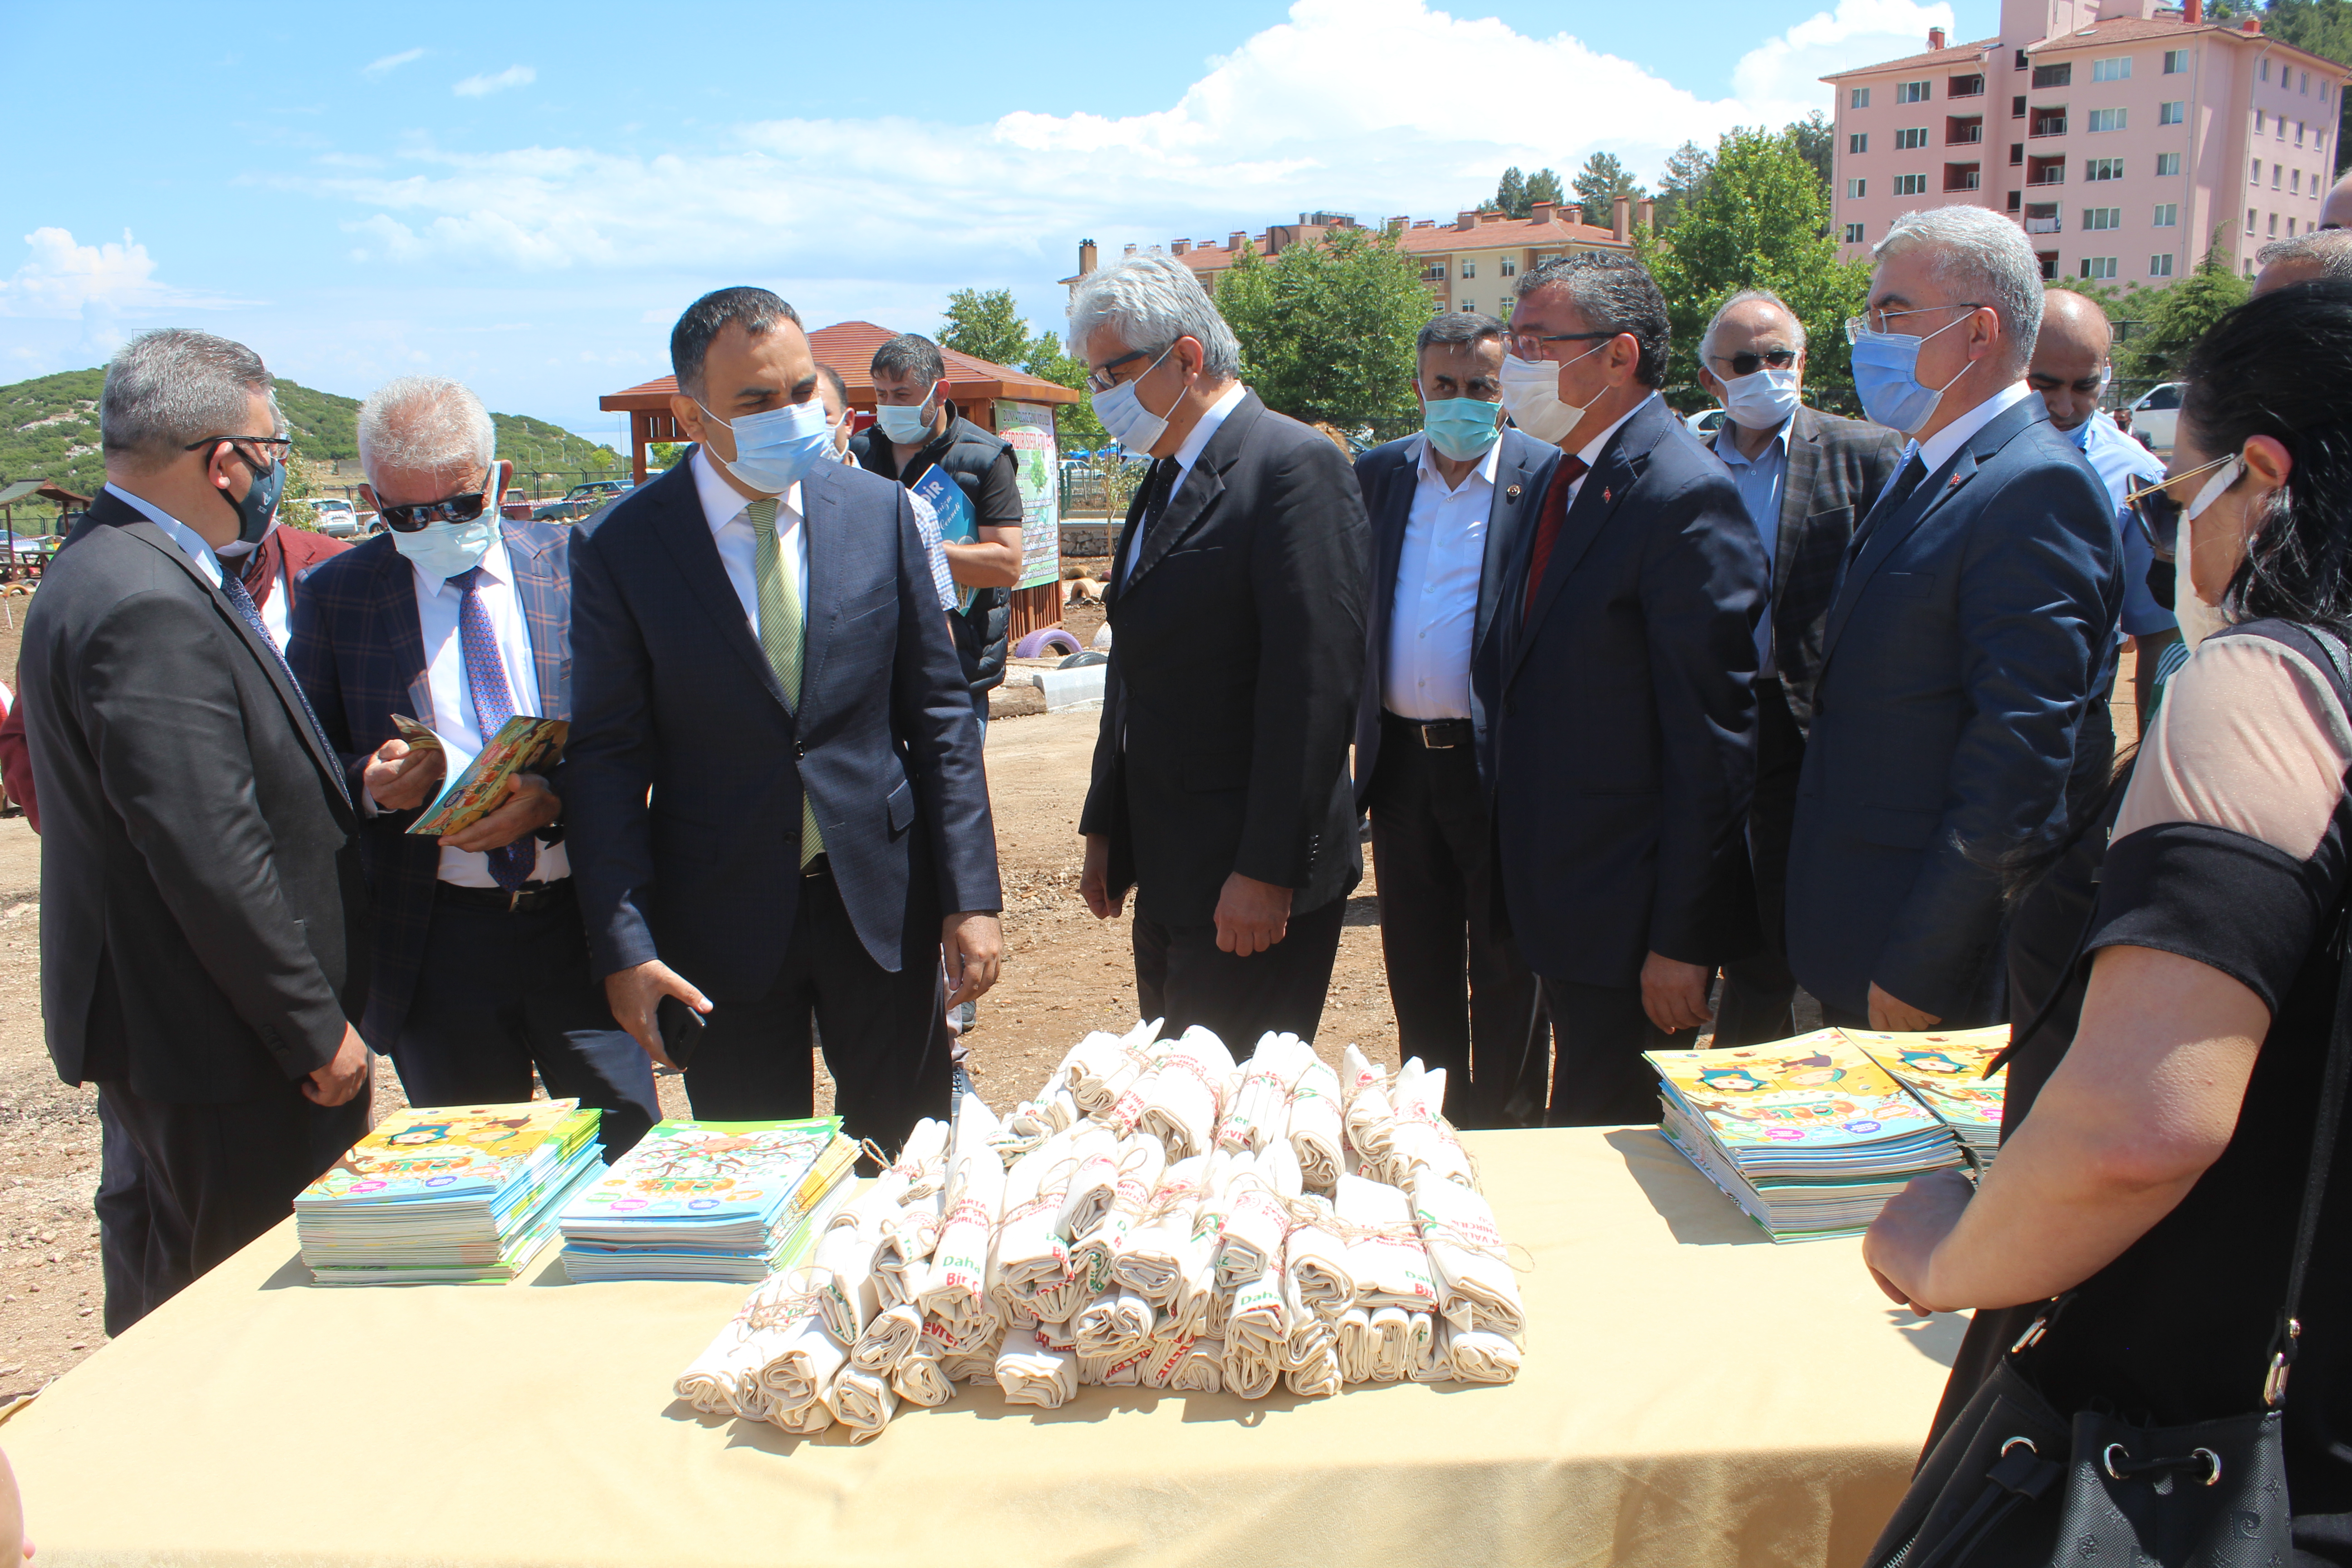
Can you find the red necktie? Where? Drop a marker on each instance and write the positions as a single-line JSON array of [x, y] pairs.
[[1547, 521]]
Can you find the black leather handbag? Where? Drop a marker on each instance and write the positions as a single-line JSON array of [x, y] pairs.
[[2014, 1484]]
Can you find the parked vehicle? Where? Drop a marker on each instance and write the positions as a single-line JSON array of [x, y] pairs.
[[1706, 423], [2154, 417], [566, 511], [517, 505], [338, 519], [596, 492]]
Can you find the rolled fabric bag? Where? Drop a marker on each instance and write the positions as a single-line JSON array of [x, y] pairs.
[[1107, 1326], [1426, 1356], [1031, 1373], [1062, 1108], [1141, 1162], [1149, 1259], [923, 1161], [1317, 1136], [1031, 1255], [955, 1291], [710, 1380], [1094, 1179], [1023, 1129], [1384, 1249], [841, 1277], [1203, 1368], [1318, 1377], [971, 1366], [1481, 1357], [1221, 1311], [1315, 1259], [889, 1338], [1103, 1066], [1358, 1077], [1389, 1328], [1257, 1215], [903, 1256], [1251, 1367], [1185, 1094], [1354, 1331], [921, 1379], [1309, 1335], [802, 1366], [1163, 1356], [863, 1402], [802, 1420], [1197, 1290], [1264, 1091], [1476, 1286]]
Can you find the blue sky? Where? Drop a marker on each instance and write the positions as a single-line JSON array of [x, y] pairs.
[[526, 196]]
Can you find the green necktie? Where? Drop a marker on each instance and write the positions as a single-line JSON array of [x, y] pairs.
[[782, 635]]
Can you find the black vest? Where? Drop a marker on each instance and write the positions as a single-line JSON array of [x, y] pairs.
[[969, 452]]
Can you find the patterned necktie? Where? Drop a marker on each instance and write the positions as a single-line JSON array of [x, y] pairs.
[[1547, 521], [1914, 473], [486, 681], [782, 636], [234, 591]]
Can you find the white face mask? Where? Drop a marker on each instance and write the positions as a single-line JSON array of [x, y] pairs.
[[1531, 395], [442, 549], [2199, 620], [1124, 417], [1762, 401]]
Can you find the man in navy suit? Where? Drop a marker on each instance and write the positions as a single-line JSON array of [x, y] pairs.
[[462, 620], [1448, 507], [1619, 695], [758, 644], [1964, 644]]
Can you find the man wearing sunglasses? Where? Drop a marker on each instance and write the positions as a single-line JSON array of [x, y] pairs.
[[1804, 477], [462, 619], [204, 910]]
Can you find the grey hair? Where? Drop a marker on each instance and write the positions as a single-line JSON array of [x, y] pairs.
[[1457, 326], [426, 423], [1748, 297], [689, 341], [1150, 300], [1979, 256], [170, 387], [1614, 294], [2329, 249], [910, 355]]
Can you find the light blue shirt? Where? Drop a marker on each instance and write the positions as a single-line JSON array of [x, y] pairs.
[[1759, 479], [2124, 464]]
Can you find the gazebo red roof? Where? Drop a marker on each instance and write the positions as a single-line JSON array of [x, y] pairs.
[[849, 347]]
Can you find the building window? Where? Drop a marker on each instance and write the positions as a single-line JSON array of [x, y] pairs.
[[1856, 189], [2298, 133], [1467, 305], [2249, 262], [1906, 140], [2254, 175], [2017, 109], [2168, 162], [2250, 220], [2021, 61], [2054, 76], [2176, 61], [1853, 233], [2103, 168], [2167, 214], [2294, 182], [2305, 88], [2273, 234], [1912, 91], [2106, 119], [2049, 259], [1910, 184], [1858, 99], [2160, 266], [1510, 267], [2116, 70], [1858, 143], [2103, 217], [2276, 169], [2173, 113], [2258, 122], [2098, 267], [2267, 71], [2015, 198], [1469, 270], [2016, 153]]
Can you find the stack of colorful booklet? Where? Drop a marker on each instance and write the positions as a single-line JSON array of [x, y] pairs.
[[709, 1200], [1946, 1071], [462, 1194], [1809, 1136]]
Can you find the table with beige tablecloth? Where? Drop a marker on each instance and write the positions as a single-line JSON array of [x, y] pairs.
[[1693, 1395]]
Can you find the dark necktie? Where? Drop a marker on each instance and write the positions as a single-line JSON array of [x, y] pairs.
[[1914, 473], [234, 591], [1547, 521], [485, 679], [1158, 489]]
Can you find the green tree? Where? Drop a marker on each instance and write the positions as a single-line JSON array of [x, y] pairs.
[[1511, 195], [1599, 185], [1543, 185], [1327, 331], [985, 324], [1816, 138], [2323, 26], [1758, 222], [1687, 168], [2177, 317], [1076, 428]]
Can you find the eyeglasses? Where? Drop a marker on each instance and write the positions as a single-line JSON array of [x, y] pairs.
[[1100, 379], [1875, 321], [284, 444], [1529, 345], [1748, 364], [2158, 486], [462, 508]]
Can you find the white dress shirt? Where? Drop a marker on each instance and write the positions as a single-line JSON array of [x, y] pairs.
[[1190, 452], [729, 512], [453, 716], [1938, 450], [1433, 616]]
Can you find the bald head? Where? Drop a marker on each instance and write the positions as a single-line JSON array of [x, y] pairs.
[[2306, 258], [2337, 212], [2070, 356]]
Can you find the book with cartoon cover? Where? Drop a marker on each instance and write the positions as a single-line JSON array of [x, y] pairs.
[[456, 1152], [474, 785], [702, 1179], [1946, 1069]]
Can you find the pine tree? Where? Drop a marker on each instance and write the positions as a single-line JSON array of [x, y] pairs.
[[1599, 185], [1543, 185], [1511, 195]]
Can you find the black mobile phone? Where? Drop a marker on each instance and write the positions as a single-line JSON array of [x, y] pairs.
[[681, 1030]]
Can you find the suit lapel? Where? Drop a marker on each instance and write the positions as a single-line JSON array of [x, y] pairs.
[[1397, 486], [396, 602], [1796, 495], [827, 563], [1603, 491], [545, 607], [685, 533], [1197, 495], [1514, 503]]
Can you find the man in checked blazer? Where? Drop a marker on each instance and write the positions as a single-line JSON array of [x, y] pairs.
[[462, 619], [1804, 477]]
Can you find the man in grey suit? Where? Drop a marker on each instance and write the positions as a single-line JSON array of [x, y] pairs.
[[1446, 508], [1804, 477], [202, 924], [756, 640]]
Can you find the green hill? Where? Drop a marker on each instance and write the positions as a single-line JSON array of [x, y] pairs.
[[48, 430]]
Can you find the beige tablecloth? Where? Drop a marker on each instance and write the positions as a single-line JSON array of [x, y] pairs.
[[1693, 1395]]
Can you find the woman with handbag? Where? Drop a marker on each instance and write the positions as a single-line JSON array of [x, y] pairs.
[[2167, 1195]]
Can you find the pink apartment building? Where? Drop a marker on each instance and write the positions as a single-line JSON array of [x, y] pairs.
[[2125, 136]]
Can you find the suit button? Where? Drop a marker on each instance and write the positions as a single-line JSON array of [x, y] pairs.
[[799, 751]]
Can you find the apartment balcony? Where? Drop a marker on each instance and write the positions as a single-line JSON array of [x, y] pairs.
[[1965, 86], [2047, 125], [1961, 177], [2043, 224], [1967, 135]]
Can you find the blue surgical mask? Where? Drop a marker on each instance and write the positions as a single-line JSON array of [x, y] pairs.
[[774, 450], [1461, 428], [1887, 378], [905, 424], [441, 550]]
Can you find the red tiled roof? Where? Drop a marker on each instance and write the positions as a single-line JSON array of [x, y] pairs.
[[1499, 233], [1959, 54], [2138, 29], [849, 347]]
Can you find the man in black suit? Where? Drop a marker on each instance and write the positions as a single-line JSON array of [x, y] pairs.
[[203, 928], [1221, 790], [1963, 647], [1448, 507], [1619, 692], [756, 639], [1804, 478]]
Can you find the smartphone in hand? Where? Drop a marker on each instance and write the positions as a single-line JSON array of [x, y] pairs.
[[681, 1030]]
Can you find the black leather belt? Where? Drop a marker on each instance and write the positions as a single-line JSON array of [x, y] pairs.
[[529, 895], [1438, 734]]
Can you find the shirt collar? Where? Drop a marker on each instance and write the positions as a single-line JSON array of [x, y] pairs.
[[494, 565], [1726, 445], [1206, 425], [1938, 450], [1425, 465], [722, 503], [191, 544], [1591, 452]]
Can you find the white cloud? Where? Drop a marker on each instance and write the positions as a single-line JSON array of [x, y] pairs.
[[1781, 76], [391, 63], [97, 285], [483, 86]]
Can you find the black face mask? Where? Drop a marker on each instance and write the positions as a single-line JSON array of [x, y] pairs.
[[260, 504]]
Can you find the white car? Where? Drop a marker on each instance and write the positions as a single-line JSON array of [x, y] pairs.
[[338, 519], [1706, 423], [2155, 413]]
